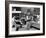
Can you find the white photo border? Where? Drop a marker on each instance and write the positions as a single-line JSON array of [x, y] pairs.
[[25, 32]]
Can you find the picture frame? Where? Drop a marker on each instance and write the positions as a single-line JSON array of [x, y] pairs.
[[14, 8]]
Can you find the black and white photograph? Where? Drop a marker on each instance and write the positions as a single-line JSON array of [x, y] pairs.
[[25, 19]]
